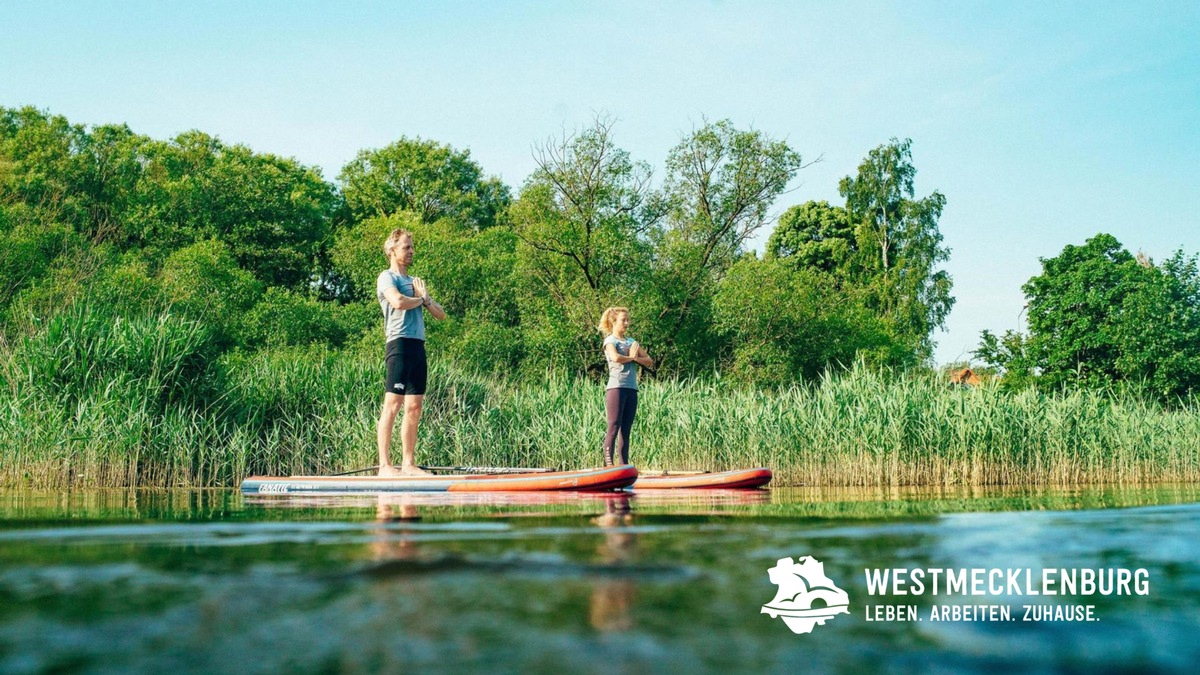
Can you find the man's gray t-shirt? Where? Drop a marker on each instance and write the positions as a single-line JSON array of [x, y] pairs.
[[620, 375], [398, 323]]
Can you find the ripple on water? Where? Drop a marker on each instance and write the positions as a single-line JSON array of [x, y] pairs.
[[579, 584]]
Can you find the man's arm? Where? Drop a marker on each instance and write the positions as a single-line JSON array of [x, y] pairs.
[[423, 292], [435, 309], [400, 301]]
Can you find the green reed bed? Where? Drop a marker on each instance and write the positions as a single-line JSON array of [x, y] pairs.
[[151, 403]]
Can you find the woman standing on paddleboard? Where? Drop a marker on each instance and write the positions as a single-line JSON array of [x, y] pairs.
[[620, 396]]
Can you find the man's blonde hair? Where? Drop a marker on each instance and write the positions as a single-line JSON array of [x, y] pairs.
[[608, 317], [393, 241]]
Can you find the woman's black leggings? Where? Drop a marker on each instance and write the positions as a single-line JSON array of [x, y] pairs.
[[621, 406]]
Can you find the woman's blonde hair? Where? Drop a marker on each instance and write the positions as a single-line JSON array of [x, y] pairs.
[[393, 241], [607, 318]]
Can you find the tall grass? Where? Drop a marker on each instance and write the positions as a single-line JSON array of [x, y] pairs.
[[147, 402]]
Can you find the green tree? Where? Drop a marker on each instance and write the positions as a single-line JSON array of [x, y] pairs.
[[1071, 311], [43, 167], [58, 283], [126, 287], [286, 318], [1010, 354], [785, 324], [1099, 316], [52, 171], [28, 253], [1160, 328], [900, 244], [581, 220], [204, 282], [273, 213], [814, 235], [720, 185], [426, 178], [118, 158]]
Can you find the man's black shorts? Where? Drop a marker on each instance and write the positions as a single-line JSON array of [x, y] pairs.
[[406, 367]]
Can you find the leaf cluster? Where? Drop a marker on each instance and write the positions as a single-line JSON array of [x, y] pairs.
[[1100, 317]]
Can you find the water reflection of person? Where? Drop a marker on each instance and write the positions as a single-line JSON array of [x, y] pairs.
[[612, 599], [390, 509]]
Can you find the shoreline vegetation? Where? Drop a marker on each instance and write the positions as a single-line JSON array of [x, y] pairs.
[[185, 312], [135, 404]]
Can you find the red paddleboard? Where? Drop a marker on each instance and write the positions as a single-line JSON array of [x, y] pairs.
[[587, 480], [740, 478]]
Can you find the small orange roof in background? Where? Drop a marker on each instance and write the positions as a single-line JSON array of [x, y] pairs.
[[965, 376]]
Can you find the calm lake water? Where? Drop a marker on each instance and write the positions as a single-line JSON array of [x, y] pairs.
[[214, 582]]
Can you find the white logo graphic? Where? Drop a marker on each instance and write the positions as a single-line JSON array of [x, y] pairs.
[[397, 386], [806, 597]]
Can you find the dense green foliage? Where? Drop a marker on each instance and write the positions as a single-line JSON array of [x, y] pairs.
[[1099, 316], [581, 220], [185, 311], [880, 252], [785, 322], [265, 253], [428, 179], [899, 246], [816, 236]]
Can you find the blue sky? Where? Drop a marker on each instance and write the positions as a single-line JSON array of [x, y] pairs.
[[1042, 123]]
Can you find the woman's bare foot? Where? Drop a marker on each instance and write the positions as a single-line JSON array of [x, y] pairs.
[[413, 470], [389, 471]]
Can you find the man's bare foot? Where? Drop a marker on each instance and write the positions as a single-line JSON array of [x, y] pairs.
[[389, 471], [413, 470]]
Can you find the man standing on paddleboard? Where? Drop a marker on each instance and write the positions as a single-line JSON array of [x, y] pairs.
[[403, 300]]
